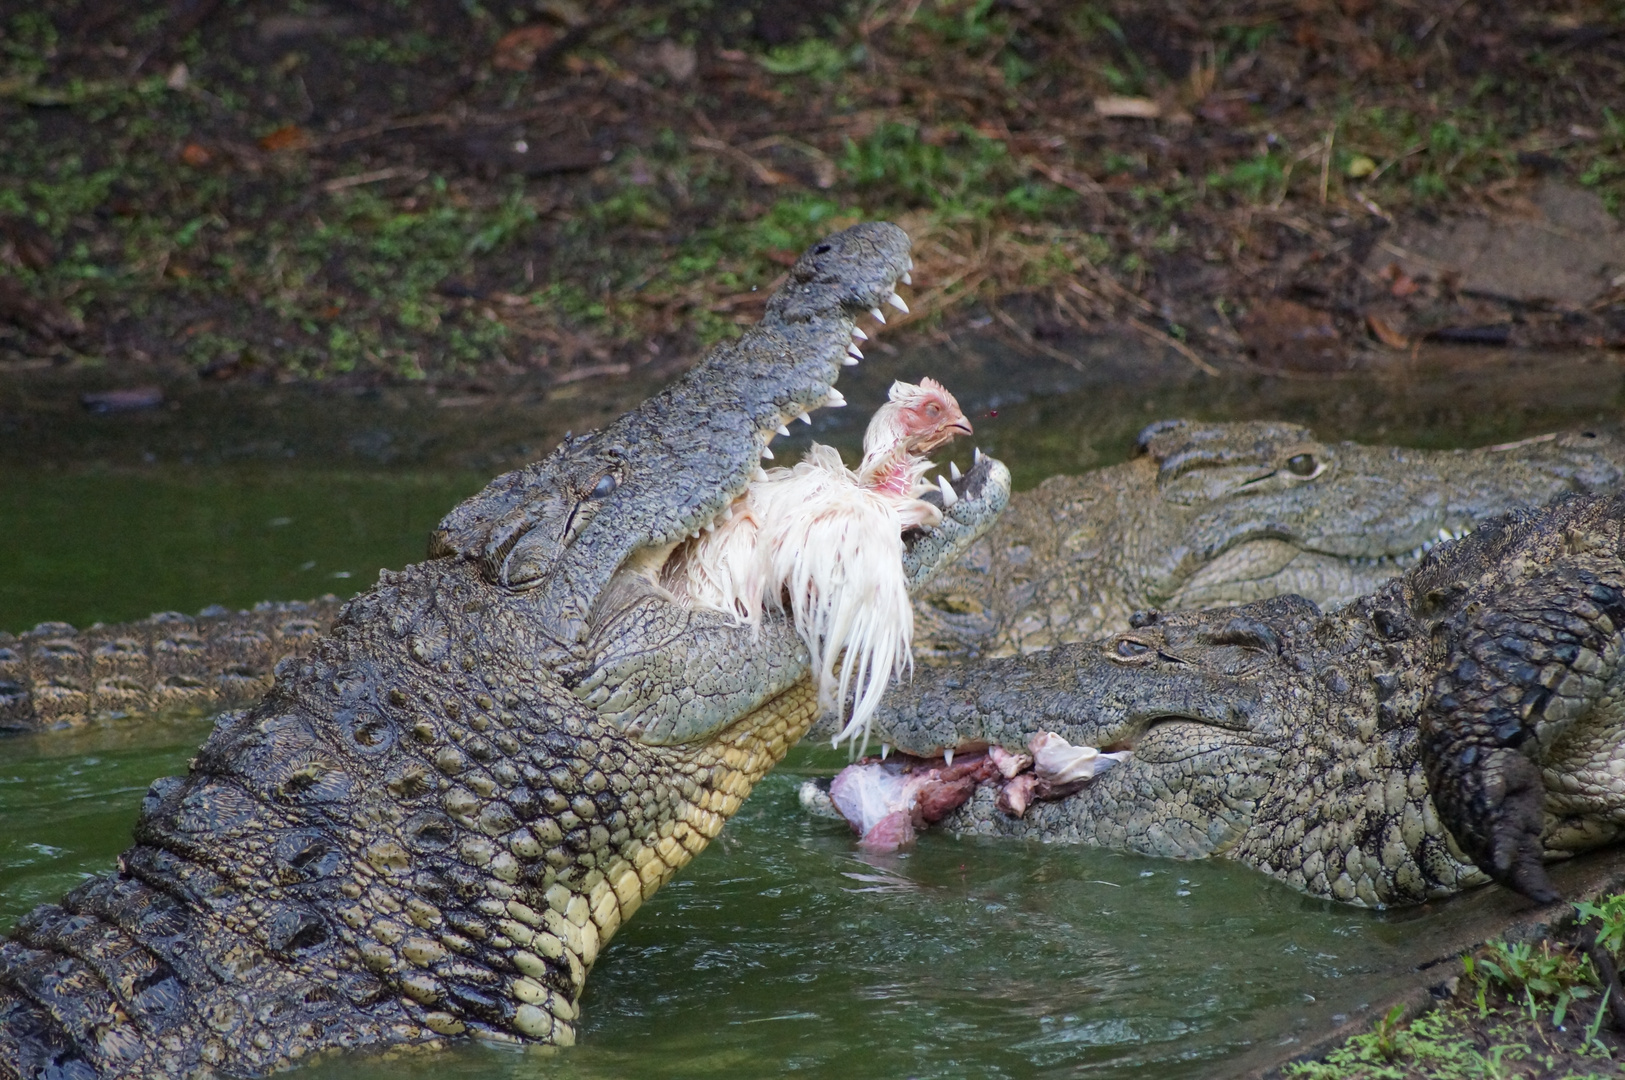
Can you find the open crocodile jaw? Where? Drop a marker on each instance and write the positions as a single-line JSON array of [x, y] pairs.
[[437, 818]]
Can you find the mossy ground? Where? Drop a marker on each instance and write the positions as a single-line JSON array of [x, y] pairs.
[[371, 190], [1532, 1010]]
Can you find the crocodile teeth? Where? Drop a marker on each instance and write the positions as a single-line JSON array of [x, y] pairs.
[[783, 430], [847, 361], [880, 316], [761, 474], [854, 352], [859, 335], [947, 757], [766, 453], [897, 302], [805, 417], [976, 459], [949, 495], [835, 400], [1446, 534], [695, 535], [953, 471], [885, 751], [907, 278]]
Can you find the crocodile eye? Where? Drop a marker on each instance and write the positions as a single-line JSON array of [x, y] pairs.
[[1130, 647], [606, 484], [1301, 464]]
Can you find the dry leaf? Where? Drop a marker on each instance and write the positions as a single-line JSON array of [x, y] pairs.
[[1385, 332], [287, 137], [518, 49], [1401, 284]]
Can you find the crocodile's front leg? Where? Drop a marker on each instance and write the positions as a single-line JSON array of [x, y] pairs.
[[1528, 711]]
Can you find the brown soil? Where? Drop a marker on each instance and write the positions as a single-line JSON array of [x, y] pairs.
[[370, 190]]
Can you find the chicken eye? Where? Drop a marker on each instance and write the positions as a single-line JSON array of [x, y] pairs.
[[933, 410], [1301, 464], [606, 484]]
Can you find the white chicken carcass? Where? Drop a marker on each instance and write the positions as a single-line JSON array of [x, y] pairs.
[[824, 543]]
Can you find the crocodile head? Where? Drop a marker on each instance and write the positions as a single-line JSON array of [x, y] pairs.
[[586, 533], [1272, 510], [437, 818], [1457, 725], [1213, 514], [1235, 751]]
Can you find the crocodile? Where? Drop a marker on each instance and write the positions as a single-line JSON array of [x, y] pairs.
[[436, 819], [1461, 724], [1214, 514], [1206, 514], [167, 664]]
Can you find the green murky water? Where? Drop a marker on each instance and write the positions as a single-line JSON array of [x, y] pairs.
[[781, 949], [114, 544]]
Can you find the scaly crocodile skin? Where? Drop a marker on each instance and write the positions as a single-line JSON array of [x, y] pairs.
[[1462, 723], [434, 821]]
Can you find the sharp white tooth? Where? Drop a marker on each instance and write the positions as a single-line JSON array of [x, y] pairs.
[[761, 473], [1416, 553], [847, 361], [854, 352], [1427, 545], [1446, 534], [976, 458], [885, 751], [805, 417], [766, 453], [835, 400], [859, 334], [907, 278], [953, 471], [727, 513], [947, 757], [709, 525], [880, 316], [695, 535], [897, 302], [949, 495], [783, 430]]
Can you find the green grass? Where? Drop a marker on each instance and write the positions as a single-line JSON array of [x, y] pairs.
[[955, 129], [1513, 997]]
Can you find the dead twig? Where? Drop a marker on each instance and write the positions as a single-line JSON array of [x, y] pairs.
[[1027, 341], [392, 172], [764, 173], [1175, 344]]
